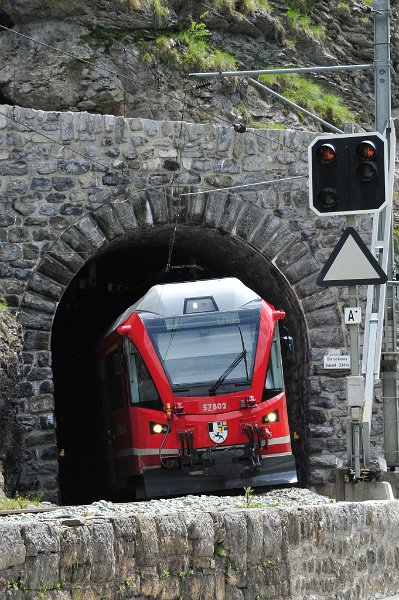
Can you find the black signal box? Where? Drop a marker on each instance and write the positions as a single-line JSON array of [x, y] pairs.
[[347, 174]]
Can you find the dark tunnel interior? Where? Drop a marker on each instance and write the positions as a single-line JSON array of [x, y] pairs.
[[109, 283]]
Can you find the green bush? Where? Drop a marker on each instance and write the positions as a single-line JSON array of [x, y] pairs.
[[300, 23], [190, 49], [104, 37], [305, 7]]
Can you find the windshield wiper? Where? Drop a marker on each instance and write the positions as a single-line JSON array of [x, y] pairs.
[[230, 368], [243, 349]]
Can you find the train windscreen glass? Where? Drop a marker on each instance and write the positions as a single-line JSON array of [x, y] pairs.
[[208, 353]]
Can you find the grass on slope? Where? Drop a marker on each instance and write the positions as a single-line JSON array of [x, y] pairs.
[[311, 96]]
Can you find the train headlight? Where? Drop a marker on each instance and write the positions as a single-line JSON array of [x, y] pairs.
[[271, 417], [157, 427]]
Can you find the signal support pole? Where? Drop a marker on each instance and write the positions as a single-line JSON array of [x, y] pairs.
[[380, 330]]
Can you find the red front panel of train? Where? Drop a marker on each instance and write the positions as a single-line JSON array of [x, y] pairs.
[[225, 405]]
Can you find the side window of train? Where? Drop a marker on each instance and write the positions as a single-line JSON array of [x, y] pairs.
[[113, 372], [274, 376], [142, 387]]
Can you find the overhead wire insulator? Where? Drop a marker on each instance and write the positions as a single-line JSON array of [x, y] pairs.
[[204, 84], [240, 127]]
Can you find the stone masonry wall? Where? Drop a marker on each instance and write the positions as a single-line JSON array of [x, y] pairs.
[[344, 552], [71, 184]]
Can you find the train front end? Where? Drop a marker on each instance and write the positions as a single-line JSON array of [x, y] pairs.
[[212, 350]]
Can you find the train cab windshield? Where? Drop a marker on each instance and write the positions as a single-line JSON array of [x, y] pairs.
[[208, 353]]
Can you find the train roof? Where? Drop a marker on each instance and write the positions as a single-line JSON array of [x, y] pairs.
[[168, 299]]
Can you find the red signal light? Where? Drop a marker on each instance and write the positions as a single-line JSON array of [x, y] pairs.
[[366, 150], [326, 154], [366, 153]]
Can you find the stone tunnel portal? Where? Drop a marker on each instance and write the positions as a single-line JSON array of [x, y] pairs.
[[110, 282]]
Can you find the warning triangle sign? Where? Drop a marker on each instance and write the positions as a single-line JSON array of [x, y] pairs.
[[351, 263]]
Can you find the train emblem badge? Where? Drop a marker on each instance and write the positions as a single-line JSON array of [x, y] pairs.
[[218, 431]]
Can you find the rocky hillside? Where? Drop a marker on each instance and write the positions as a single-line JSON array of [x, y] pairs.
[[137, 55]]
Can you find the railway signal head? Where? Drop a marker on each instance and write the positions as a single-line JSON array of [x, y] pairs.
[[347, 174]]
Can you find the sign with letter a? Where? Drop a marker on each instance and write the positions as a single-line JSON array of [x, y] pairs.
[[353, 315]]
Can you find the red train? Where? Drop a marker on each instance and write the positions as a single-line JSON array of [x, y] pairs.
[[192, 387]]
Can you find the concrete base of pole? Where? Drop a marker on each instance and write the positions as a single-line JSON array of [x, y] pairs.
[[392, 477], [362, 490], [368, 490]]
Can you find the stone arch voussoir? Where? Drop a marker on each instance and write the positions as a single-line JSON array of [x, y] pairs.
[[221, 210]]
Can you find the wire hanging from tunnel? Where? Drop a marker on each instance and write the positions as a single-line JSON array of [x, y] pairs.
[[179, 144]]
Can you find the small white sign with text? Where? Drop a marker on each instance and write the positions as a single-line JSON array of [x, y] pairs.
[[353, 316], [337, 361]]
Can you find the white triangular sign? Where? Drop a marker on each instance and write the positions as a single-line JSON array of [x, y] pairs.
[[351, 263]]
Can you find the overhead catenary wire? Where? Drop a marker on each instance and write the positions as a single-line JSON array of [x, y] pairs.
[[245, 185], [173, 235]]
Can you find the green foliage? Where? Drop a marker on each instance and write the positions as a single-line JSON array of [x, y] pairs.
[[249, 500], [77, 66], [165, 574], [230, 4], [267, 564], [160, 12], [304, 7], [249, 6], [43, 592], [277, 126], [243, 113], [126, 585], [104, 37], [190, 49], [16, 584], [311, 96], [303, 24], [219, 550], [19, 502], [133, 3], [245, 6], [195, 40], [229, 568], [263, 125], [187, 573], [59, 585], [219, 60], [248, 493]]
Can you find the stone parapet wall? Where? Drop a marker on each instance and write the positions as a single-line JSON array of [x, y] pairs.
[[343, 551]]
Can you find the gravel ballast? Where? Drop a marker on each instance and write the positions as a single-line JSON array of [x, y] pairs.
[[287, 497]]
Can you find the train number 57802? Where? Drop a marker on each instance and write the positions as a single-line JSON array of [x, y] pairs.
[[214, 406]]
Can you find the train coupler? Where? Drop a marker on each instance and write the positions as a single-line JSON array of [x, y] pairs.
[[186, 445], [252, 449]]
